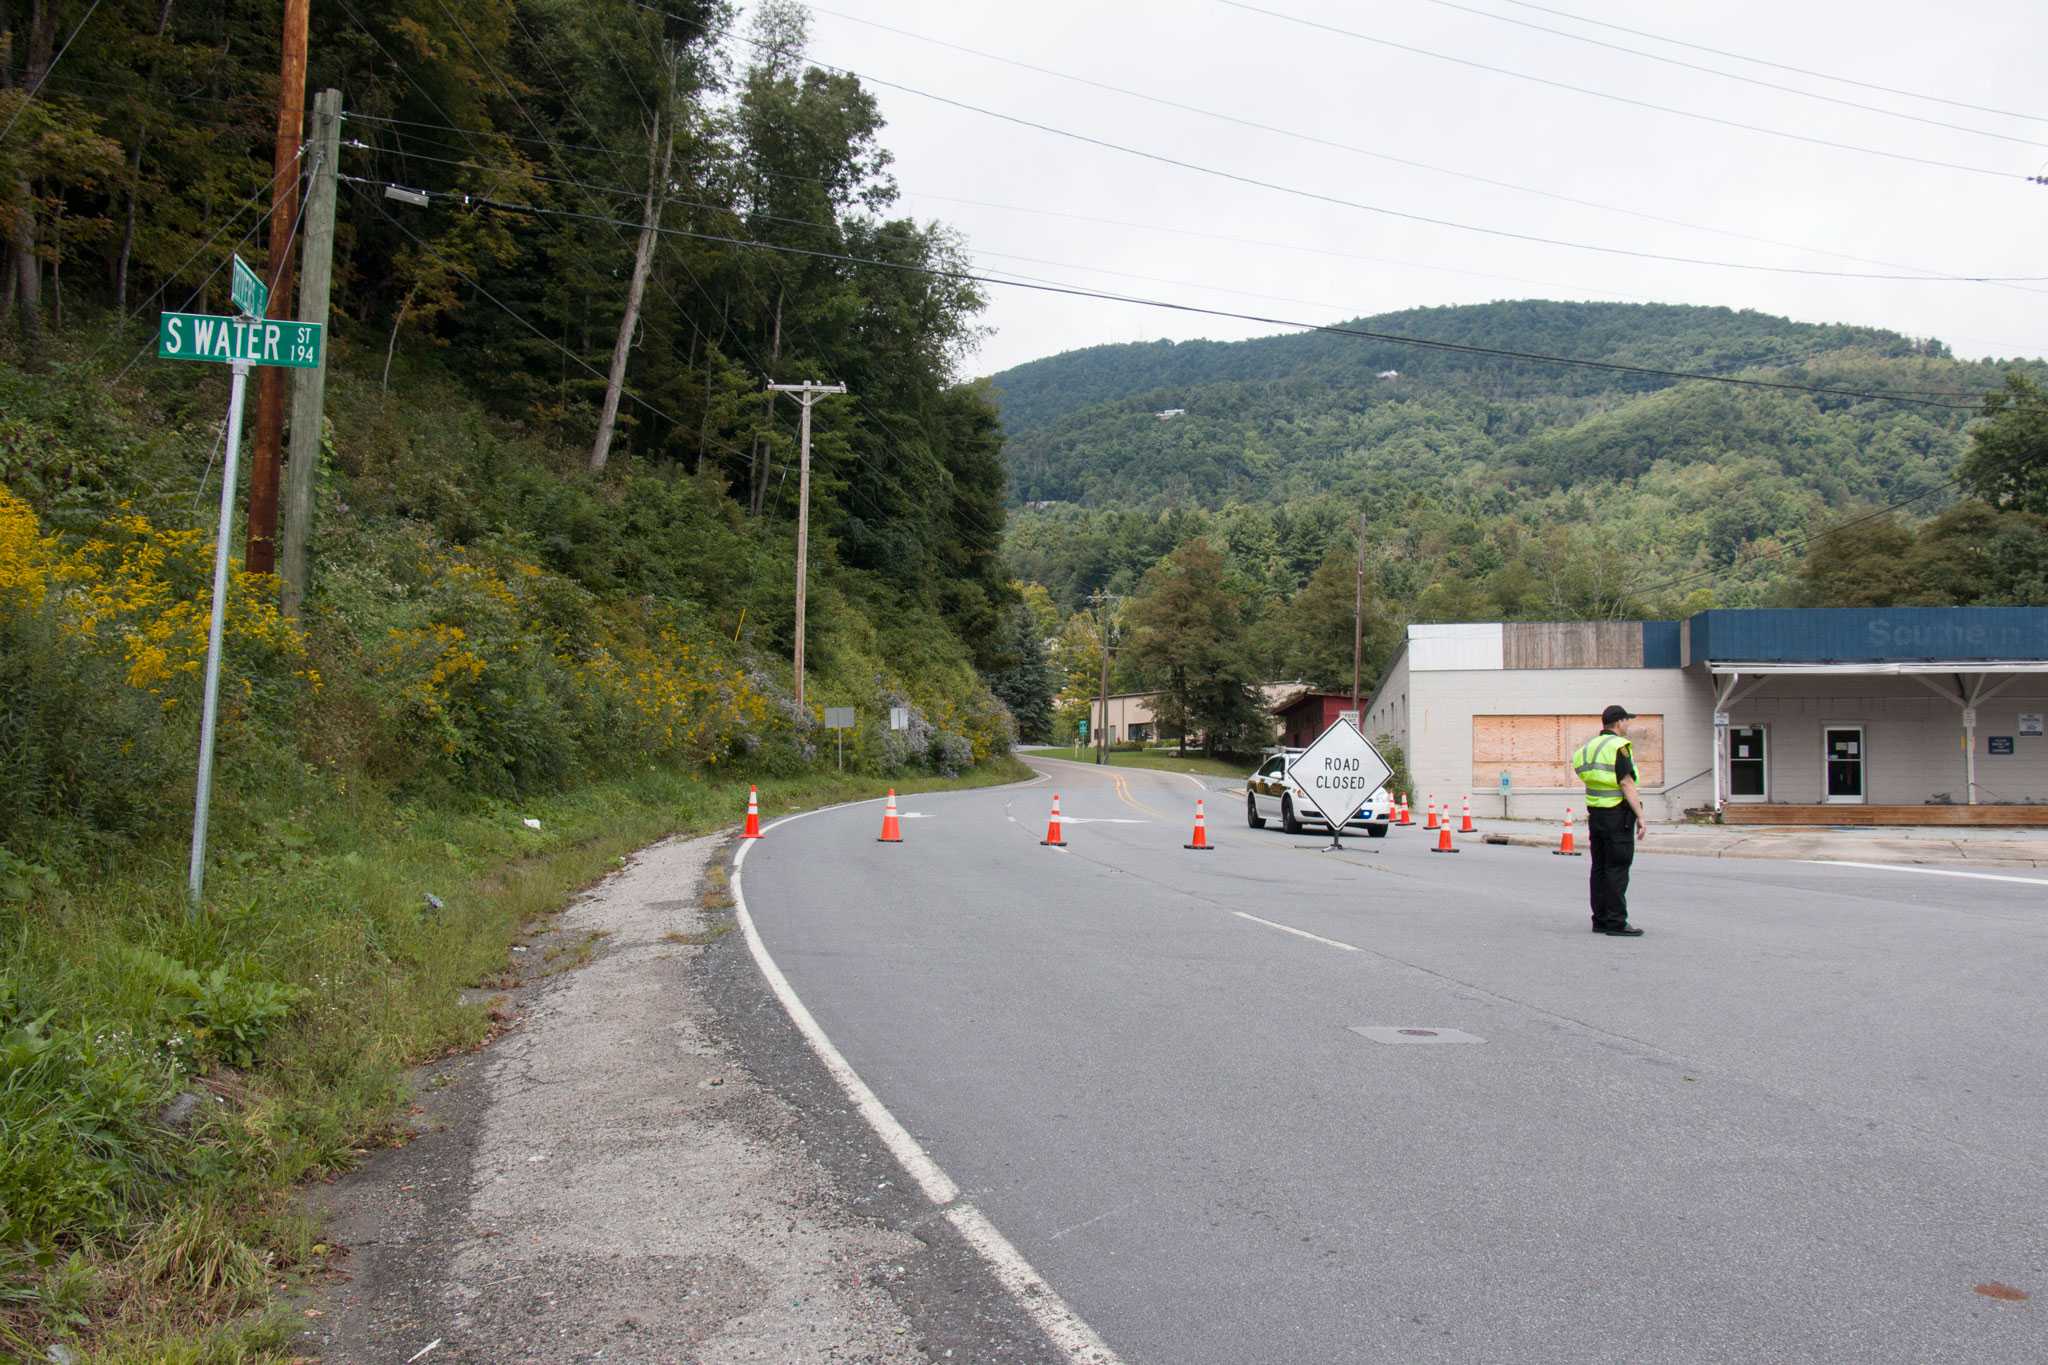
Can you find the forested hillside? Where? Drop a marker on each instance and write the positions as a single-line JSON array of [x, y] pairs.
[[524, 649], [1496, 488]]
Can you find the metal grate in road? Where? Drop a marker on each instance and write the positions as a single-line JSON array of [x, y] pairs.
[[1380, 1033]]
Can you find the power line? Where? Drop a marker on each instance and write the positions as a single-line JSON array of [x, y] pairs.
[[1012, 275], [1779, 66], [1607, 95], [1362, 151], [589, 123], [1923, 272], [1732, 76], [207, 279], [1331, 328], [1402, 262], [22, 108], [1317, 196]]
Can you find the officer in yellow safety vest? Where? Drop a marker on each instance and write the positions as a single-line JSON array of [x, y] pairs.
[[1614, 819]]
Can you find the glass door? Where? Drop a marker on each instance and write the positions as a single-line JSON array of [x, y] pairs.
[[1843, 747], [1749, 772]]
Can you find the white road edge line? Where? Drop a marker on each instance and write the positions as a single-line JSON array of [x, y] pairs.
[[1061, 1324], [1290, 929], [1928, 871]]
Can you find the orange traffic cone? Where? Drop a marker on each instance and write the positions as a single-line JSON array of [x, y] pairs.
[[753, 829], [892, 832], [1564, 847], [1052, 837], [1465, 823], [1443, 838], [1431, 808], [1405, 817], [1201, 841]]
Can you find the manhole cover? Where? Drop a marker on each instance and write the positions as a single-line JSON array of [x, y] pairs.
[[1380, 1033]]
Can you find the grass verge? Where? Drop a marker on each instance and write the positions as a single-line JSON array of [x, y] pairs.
[[1198, 764], [282, 1023]]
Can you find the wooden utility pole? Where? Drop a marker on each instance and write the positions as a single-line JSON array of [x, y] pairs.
[[1102, 729], [1358, 616], [309, 387], [663, 136], [807, 394], [261, 555]]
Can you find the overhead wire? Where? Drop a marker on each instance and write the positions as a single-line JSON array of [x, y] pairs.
[[208, 278], [1338, 201], [247, 204], [1622, 99], [1334, 329], [1922, 273], [1779, 66], [1315, 140], [527, 114], [1731, 75], [723, 321], [29, 98], [1265, 243]]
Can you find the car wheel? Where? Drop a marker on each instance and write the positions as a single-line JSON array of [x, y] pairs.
[[1287, 820], [1251, 812], [1377, 830]]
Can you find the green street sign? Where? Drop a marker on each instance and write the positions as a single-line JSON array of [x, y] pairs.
[[250, 293], [202, 336]]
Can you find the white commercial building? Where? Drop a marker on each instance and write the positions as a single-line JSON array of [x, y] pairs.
[[1917, 715]]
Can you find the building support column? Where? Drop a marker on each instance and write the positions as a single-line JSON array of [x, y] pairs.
[[1724, 689], [1966, 696]]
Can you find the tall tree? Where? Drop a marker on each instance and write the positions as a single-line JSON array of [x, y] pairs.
[[661, 134], [1311, 634], [1189, 634], [2008, 461]]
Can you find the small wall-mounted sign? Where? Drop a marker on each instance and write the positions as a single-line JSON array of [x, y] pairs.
[[2000, 744], [2030, 722]]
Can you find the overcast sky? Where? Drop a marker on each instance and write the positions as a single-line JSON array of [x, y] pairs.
[[1300, 259]]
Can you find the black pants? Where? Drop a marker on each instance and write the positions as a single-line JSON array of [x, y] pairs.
[[1612, 830]]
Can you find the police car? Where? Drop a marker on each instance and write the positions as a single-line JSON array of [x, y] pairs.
[[1268, 795]]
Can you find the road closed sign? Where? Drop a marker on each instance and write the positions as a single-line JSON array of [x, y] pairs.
[[1339, 772]]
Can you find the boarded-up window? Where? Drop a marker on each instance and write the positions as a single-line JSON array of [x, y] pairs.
[[1536, 751]]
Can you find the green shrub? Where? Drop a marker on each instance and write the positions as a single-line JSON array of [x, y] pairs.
[[79, 1151], [225, 1016]]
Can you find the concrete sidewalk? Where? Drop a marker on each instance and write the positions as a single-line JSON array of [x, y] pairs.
[[1983, 847]]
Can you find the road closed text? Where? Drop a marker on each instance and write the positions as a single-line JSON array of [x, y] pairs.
[[1341, 775]]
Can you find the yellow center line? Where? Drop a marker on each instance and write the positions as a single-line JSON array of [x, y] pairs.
[[1123, 791]]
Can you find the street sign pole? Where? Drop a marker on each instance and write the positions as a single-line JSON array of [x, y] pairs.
[[211, 704]]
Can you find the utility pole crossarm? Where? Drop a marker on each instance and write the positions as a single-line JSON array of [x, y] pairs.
[[807, 393]]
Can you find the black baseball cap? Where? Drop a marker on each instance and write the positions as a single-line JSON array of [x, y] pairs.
[[1615, 713]]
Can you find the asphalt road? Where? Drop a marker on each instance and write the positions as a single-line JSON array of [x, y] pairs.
[[1802, 1119]]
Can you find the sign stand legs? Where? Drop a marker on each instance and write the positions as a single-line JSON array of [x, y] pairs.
[[211, 705]]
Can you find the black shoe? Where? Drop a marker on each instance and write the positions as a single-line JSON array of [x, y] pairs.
[[1624, 932]]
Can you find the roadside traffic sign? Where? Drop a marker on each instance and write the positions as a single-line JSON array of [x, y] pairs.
[[203, 336], [1339, 773], [250, 293]]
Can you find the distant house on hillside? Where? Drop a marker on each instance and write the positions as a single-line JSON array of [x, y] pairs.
[[1390, 374], [1131, 717], [1168, 414]]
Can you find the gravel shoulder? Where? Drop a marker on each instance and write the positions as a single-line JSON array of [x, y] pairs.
[[648, 1165]]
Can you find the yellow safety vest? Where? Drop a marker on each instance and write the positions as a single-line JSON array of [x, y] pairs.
[[1594, 763]]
